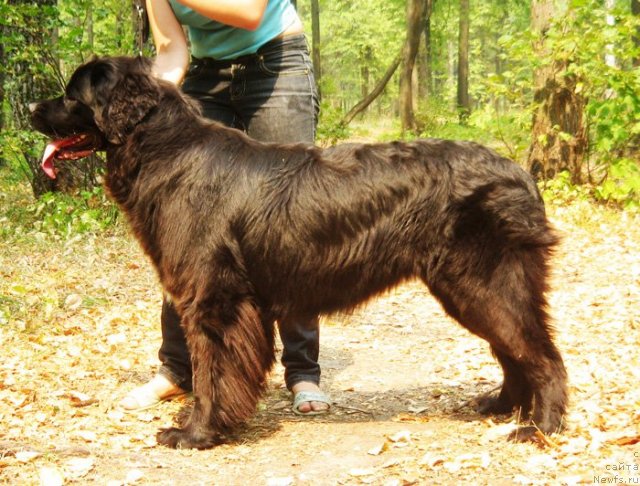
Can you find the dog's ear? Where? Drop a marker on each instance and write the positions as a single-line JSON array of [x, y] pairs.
[[130, 98]]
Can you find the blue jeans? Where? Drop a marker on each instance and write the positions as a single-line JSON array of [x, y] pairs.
[[272, 96]]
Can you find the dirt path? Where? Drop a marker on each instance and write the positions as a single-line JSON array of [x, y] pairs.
[[85, 329]]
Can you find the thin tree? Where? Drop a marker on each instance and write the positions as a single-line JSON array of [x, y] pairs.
[[425, 69], [635, 10], [464, 102], [315, 42], [2, 78], [410, 50], [609, 56], [559, 138]]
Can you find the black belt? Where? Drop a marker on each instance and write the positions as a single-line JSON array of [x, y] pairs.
[[278, 43]]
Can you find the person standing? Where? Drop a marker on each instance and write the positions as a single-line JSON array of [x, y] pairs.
[[247, 62]]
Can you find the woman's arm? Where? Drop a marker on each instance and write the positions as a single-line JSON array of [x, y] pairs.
[[245, 14], [172, 56]]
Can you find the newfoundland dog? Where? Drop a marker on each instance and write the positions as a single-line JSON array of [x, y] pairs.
[[244, 233]]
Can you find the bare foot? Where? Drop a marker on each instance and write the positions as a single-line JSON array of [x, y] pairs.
[[306, 407], [155, 391]]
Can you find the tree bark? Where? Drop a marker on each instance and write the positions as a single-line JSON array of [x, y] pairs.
[[464, 102], [425, 70], [315, 43], [559, 138], [140, 22], [410, 50], [3, 62], [635, 10], [365, 74]]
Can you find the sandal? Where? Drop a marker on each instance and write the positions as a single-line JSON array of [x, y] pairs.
[[145, 397], [310, 396]]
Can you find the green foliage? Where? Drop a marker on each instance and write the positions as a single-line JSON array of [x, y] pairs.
[[329, 127], [560, 191], [600, 55], [438, 119], [65, 215], [359, 39], [598, 47], [54, 215], [507, 131], [622, 184], [620, 189], [16, 144], [43, 43]]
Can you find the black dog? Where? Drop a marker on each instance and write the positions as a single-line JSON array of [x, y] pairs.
[[244, 233]]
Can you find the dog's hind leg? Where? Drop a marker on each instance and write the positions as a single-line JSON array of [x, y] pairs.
[[230, 362], [516, 390], [507, 308]]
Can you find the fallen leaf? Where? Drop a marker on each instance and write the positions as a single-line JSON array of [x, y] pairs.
[[379, 449], [402, 436], [390, 463], [27, 456], [73, 301], [50, 476], [134, 476], [79, 399], [417, 409], [361, 472], [431, 460], [542, 462], [78, 467], [87, 435], [626, 440], [281, 405]]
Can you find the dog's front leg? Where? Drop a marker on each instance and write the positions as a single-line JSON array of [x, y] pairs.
[[230, 364]]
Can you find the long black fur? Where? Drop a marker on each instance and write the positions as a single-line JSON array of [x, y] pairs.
[[244, 233]]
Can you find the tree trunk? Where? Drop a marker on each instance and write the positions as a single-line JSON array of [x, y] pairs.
[[464, 103], [425, 71], [559, 138], [635, 10], [3, 62], [315, 42], [609, 56], [140, 22], [365, 74], [410, 50], [89, 27]]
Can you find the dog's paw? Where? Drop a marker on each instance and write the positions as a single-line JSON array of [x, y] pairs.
[[528, 433], [185, 439], [492, 405]]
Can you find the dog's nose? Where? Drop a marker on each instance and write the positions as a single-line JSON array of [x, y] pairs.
[[33, 107]]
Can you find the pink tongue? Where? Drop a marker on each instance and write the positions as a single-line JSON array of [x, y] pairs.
[[47, 158]]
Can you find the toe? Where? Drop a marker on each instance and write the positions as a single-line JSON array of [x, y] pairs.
[[316, 406]]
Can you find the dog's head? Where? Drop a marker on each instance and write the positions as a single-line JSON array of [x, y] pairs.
[[103, 102]]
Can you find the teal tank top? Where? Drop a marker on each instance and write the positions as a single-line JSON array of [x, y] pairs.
[[213, 39]]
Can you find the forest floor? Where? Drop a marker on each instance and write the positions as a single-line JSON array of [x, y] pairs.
[[79, 327]]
